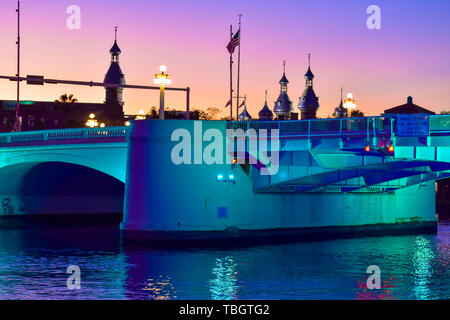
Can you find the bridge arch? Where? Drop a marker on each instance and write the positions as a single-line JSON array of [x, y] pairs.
[[71, 190], [116, 171]]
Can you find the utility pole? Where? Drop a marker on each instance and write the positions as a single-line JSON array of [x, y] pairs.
[[17, 123]]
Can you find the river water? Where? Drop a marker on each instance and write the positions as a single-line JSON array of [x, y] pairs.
[[33, 265]]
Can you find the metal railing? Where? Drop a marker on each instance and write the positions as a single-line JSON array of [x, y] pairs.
[[58, 136], [440, 122], [367, 126]]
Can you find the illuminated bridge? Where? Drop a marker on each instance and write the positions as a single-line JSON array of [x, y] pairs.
[[357, 154], [69, 171], [129, 169]]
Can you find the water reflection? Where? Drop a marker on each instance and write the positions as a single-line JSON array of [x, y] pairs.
[[160, 288], [33, 265], [423, 269], [224, 284]]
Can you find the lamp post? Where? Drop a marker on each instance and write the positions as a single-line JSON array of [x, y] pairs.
[[349, 104], [92, 122], [141, 115], [162, 79]]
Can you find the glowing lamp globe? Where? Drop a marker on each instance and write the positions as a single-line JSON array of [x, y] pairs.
[[349, 103], [162, 78]]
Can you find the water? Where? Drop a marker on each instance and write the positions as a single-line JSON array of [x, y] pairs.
[[33, 265]]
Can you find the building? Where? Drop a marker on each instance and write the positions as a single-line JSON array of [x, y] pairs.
[[40, 115], [340, 111], [244, 116], [308, 102], [265, 114], [283, 105], [114, 76], [408, 107]]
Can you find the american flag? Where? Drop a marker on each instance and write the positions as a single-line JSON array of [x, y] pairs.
[[234, 42], [228, 103]]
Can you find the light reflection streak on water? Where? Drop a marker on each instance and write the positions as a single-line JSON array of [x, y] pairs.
[[224, 284], [423, 269], [160, 289]]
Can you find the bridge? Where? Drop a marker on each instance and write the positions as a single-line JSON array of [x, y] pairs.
[[69, 171], [72, 171], [357, 154]]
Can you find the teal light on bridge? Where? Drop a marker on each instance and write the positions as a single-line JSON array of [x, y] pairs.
[[222, 178]]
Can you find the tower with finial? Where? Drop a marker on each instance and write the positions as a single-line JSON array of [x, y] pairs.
[[245, 116], [308, 102], [283, 105], [114, 76], [265, 114], [340, 111]]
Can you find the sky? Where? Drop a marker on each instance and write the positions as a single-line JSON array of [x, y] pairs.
[[409, 55]]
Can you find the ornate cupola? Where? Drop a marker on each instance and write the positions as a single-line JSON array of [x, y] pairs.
[[245, 116], [308, 102], [340, 111], [265, 114], [114, 76], [283, 105]]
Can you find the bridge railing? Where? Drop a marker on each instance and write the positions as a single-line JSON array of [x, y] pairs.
[[85, 135], [439, 123], [367, 126]]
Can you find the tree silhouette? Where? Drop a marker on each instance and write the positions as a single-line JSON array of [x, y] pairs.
[[209, 114], [357, 113], [64, 98]]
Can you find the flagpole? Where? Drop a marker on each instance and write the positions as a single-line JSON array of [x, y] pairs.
[[239, 68], [231, 75]]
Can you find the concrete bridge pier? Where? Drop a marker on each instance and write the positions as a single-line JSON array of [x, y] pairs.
[[165, 201]]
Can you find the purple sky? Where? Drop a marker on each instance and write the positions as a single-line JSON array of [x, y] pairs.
[[410, 55]]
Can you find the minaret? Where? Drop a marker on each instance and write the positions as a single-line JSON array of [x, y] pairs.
[[265, 114], [340, 111], [245, 116], [308, 102], [114, 76], [283, 105]]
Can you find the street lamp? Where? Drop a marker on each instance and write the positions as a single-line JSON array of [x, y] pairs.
[[162, 79], [141, 115], [349, 103], [92, 122]]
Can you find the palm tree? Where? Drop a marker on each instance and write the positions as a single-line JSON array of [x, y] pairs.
[[357, 113], [64, 104], [67, 98]]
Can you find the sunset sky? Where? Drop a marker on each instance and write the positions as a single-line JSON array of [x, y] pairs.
[[410, 55]]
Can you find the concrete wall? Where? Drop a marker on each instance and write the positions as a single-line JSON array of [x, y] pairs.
[[162, 196]]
